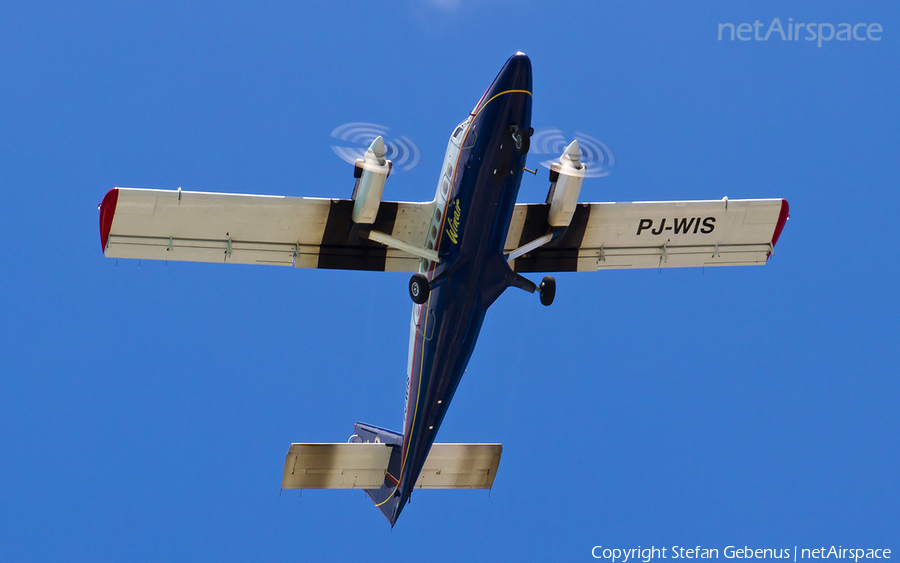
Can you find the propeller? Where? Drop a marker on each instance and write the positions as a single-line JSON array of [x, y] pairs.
[[550, 142], [352, 140], [547, 143]]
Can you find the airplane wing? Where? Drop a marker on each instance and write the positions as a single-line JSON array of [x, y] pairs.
[[606, 236], [252, 229], [363, 466]]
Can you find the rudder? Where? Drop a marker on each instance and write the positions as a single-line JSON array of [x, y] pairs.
[[384, 497]]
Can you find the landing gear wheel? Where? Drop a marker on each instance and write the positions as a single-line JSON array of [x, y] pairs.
[[419, 288], [548, 290], [526, 144], [522, 140]]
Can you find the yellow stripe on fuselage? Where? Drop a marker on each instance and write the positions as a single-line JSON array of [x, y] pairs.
[[497, 96]]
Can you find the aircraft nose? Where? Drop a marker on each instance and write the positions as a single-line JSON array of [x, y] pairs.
[[516, 73], [514, 76]]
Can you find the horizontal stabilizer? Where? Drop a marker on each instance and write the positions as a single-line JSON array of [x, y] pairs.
[[364, 465], [460, 466], [335, 466]]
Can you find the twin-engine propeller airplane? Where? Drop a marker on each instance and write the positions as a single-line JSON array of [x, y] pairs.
[[464, 249]]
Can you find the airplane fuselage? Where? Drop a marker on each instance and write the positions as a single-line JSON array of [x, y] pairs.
[[476, 196]]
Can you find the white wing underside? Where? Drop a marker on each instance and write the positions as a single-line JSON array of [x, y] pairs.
[[606, 236], [313, 233], [255, 229]]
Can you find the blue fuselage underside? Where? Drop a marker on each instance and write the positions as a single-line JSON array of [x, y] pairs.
[[473, 271]]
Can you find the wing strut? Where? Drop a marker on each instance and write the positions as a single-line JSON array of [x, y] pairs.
[[392, 242], [536, 243]]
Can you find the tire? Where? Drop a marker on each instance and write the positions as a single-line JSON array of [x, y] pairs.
[[419, 288], [522, 139], [548, 290], [526, 144]]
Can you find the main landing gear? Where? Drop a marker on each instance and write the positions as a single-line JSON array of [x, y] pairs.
[[548, 290], [419, 288]]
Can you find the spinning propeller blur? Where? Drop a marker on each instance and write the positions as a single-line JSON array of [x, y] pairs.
[[356, 137]]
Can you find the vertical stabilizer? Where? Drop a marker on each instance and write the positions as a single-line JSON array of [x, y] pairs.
[[385, 497]]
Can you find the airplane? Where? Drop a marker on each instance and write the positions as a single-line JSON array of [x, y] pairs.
[[464, 249]]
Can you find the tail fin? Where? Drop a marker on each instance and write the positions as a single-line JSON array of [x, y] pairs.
[[385, 497]]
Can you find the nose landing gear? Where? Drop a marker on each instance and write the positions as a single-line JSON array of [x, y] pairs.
[[521, 138]]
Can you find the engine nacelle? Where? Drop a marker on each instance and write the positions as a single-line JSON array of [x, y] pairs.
[[566, 176], [371, 171]]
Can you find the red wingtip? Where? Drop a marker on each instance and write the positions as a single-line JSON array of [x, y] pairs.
[[782, 218], [107, 211]]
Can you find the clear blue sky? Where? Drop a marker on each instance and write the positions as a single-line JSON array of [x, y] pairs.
[[145, 410]]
